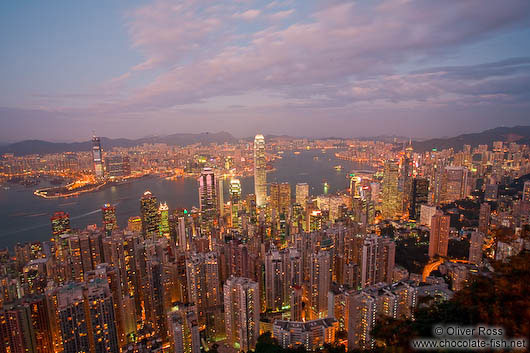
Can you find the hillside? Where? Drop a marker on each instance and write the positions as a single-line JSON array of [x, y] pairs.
[[519, 134], [43, 147]]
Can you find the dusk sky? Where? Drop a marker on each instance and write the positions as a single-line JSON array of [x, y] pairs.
[[131, 68]]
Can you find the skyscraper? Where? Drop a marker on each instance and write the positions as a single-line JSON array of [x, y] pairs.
[[484, 218], [60, 224], [274, 280], [377, 260], [208, 200], [439, 237], [109, 218], [319, 284], [391, 204], [454, 184], [242, 307], [526, 191], [184, 329], [149, 211], [235, 198], [280, 197], [163, 216], [97, 155], [302, 193], [260, 172]]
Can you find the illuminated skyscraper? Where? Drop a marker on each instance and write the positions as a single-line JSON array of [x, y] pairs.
[[274, 280], [280, 198], [163, 216], [484, 218], [149, 211], [235, 198], [439, 237], [377, 260], [109, 218], [208, 200], [302, 193], [60, 224], [242, 307], [475, 248], [184, 329], [97, 155], [319, 283], [117, 166], [391, 205], [526, 191], [260, 172], [134, 224]]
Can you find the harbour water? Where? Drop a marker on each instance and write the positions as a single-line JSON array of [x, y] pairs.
[[25, 217]]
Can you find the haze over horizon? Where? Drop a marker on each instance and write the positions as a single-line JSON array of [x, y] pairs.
[[136, 68]]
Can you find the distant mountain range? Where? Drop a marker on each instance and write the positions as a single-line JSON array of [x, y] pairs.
[[518, 134], [27, 147]]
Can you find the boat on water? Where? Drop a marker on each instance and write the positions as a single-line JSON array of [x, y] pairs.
[[338, 168], [296, 152]]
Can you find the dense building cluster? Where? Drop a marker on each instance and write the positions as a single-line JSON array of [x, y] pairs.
[[311, 269]]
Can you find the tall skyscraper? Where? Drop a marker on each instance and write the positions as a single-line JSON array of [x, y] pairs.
[[97, 155], [260, 171], [319, 283], [377, 260], [391, 204], [274, 280], [60, 224], [184, 329], [242, 307], [454, 184], [235, 198], [302, 193], [280, 197], [163, 216], [208, 200], [117, 166], [149, 211], [419, 196], [109, 218], [439, 237]]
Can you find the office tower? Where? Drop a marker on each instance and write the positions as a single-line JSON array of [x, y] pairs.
[[251, 208], [319, 283], [484, 218], [526, 191], [274, 280], [406, 177], [310, 334], [419, 196], [377, 260], [302, 193], [439, 237], [314, 220], [362, 313], [242, 307], [86, 318], [60, 224], [280, 198], [475, 248], [207, 200], [97, 155], [117, 166], [220, 197], [454, 184], [260, 171], [184, 329], [163, 216], [109, 218], [25, 326], [235, 199], [392, 204], [134, 224], [149, 212], [202, 271], [296, 303]]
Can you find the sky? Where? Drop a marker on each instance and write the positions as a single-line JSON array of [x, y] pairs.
[[136, 68]]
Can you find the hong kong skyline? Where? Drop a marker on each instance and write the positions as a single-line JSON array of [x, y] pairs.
[[303, 68]]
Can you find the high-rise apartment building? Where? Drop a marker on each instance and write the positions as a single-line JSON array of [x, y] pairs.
[[302, 193], [377, 260], [163, 218], [184, 329], [526, 191], [319, 283], [110, 223], [260, 171], [242, 307], [235, 199], [419, 196], [149, 211], [392, 202], [97, 156], [439, 237], [475, 248], [484, 218], [208, 200], [454, 184]]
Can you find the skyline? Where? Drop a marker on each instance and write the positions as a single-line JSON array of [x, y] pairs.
[[304, 68]]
